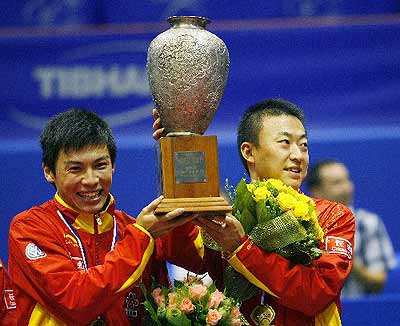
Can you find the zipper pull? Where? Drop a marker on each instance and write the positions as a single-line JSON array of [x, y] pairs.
[[98, 219]]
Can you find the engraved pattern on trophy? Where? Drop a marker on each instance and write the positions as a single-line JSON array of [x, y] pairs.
[[188, 68]]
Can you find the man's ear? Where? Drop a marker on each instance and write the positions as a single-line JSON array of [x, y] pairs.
[[48, 174], [247, 150]]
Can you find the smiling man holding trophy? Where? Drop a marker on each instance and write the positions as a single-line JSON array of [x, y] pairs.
[[188, 68]]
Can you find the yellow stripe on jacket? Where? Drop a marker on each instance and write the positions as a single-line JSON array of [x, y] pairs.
[[329, 317], [41, 317], [237, 264]]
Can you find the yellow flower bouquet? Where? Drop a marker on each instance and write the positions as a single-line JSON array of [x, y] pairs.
[[278, 219]]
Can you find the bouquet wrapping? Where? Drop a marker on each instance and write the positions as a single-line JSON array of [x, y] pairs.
[[278, 219], [191, 303]]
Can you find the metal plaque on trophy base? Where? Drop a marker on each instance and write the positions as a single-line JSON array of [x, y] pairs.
[[187, 68], [189, 176]]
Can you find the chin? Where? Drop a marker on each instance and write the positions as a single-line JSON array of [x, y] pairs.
[[92, 209], [294, 184]]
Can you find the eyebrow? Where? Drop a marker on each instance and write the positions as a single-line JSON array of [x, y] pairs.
[[105, 157], [288, 134]]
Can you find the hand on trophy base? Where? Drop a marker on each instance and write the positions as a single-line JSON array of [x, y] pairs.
[[208, 206], [226, 236]]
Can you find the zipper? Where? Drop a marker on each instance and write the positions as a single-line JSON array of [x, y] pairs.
[[98, 219]]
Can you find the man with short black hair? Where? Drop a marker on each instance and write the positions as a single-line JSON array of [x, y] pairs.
[[76, 259]]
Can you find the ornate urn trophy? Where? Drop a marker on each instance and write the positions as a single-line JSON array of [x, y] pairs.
[[187, 68]]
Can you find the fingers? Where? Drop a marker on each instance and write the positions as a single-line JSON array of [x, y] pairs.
[[158, 130], [233, 223], [158, 134], [179, 221], [153, 205], [155, 113], [167, 222], [202, 221], [209, 225], [156, 124], [175, 213]]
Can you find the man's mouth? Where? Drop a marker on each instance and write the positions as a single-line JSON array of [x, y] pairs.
[[293, 170], [90, 195]]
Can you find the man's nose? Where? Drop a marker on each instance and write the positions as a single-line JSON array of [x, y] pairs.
[[295, 152], [90, 177]]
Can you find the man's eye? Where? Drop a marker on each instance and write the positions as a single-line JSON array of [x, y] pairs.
[[102, 165], [73, 168], [284, 141]]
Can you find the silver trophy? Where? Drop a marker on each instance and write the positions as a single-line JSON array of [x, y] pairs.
[[187, 68]]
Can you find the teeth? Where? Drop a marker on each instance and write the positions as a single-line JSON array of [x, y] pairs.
[[90, 195]]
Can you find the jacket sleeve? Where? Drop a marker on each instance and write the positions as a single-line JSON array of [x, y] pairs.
[[317, 285], [7, 296], [183, 247], [50, 277]]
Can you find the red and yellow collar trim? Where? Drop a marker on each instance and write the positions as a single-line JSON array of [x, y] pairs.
[[91, 223]]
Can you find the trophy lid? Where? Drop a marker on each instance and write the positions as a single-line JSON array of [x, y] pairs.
[[187, 21]]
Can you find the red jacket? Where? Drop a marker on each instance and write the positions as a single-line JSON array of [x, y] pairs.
[[8, 303], [46, 262], [299, 295]]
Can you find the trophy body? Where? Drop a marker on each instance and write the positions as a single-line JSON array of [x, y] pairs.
[[187, 68]]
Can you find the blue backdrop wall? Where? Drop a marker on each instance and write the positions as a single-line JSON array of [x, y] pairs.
[[344, 73]]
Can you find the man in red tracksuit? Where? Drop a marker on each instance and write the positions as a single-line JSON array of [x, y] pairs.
[[272, 142], [75, 259], [8, 303]]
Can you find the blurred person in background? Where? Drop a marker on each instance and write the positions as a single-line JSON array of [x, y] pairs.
[[76, 259], [373, 254]]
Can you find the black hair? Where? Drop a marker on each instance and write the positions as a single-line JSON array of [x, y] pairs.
[[251, 122], [313, 176], [73, 130]]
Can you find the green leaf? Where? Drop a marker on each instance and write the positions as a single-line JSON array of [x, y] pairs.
[[263, 212], [151, 312], [249, 202], [212, 287], [248, 220], [148, 306], [178, 284], [274, 208], [177, 318]]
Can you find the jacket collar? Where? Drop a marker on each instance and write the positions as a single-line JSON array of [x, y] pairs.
[[92, 223]]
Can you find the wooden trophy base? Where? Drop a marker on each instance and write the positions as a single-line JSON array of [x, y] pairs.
[[189, 176], [217, 205]]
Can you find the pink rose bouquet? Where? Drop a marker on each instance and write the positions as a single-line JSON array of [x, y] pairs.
[[191, 303]]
